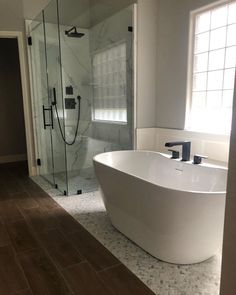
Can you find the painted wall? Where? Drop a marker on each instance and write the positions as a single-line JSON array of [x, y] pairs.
[[11, 15], [12, 129], [228, 282], [147, 32], [172, 60]]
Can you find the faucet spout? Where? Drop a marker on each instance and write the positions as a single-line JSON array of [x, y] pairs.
[[186, 147]]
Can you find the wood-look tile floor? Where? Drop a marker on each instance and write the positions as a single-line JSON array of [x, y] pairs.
[[44, 251]]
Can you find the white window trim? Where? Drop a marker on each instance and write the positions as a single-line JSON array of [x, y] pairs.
[[191, 41]]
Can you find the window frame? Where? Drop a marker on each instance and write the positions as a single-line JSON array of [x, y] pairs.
[[190, 61]]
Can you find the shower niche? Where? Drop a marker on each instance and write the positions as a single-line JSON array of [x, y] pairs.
[[81, 70]]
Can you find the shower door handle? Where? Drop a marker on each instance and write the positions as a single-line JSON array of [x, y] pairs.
[[45, 124]]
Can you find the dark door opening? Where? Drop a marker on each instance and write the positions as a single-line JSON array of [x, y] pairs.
[[12, 127]]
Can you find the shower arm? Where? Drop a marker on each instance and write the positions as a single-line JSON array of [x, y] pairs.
[[68, 31]]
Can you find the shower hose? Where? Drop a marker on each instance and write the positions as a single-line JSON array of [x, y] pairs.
[[59, 123]]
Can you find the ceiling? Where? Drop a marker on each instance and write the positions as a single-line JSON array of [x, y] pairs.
[[81, 13]]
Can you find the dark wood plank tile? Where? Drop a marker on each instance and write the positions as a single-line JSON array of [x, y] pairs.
[[39, 219], [59, 248], [34, 220], [30, 186], [21, 236], [120, 280], [45, 201], [66, 222], [82, 279], [42, 275], [23, 200], [24, 292], [9, 212], [4, 237], [11, 276], [96, 254], [12, 186], [3, 194]]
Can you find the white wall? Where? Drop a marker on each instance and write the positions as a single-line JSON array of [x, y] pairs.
[[32, 7], [11, 15], [228, 282], [146, 63], [172, 60], [13, 12]]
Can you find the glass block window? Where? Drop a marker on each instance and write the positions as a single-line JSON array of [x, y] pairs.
[[213, 69], [109, 84]]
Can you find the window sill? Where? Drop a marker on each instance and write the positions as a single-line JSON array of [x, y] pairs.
[[207, 133], [110, 122]]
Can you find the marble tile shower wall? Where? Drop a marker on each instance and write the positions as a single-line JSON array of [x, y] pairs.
[[76, 59]]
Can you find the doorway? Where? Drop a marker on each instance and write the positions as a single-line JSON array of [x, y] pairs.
[[12, 126]]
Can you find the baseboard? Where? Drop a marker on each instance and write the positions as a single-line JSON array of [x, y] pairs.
[[13, 158]]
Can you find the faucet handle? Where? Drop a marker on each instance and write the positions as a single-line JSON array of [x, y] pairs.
[[197, 159], [175, 154]]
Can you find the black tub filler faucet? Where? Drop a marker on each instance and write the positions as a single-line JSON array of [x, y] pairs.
[[186, 146]]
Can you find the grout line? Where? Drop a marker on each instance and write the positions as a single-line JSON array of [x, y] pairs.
[[110, 267], [20, 267]]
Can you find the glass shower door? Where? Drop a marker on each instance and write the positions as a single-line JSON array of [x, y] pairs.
[[54, 74], [41, 104]]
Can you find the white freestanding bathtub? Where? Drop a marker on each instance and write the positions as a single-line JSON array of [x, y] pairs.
[[174, 210]]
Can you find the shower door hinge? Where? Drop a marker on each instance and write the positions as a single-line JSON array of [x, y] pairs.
[[29, 39], [38, 162], [130, 28]]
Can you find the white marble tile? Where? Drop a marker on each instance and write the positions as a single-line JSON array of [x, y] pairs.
[[163, 278]]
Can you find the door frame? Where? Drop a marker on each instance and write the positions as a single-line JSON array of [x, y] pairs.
[[27, 110]]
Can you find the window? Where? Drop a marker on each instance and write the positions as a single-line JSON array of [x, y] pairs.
[[109, 85], [213, 69]]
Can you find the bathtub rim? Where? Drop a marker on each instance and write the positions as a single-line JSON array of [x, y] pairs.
[[216, 193]]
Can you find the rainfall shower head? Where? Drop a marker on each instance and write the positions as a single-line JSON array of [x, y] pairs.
[[73, 33]]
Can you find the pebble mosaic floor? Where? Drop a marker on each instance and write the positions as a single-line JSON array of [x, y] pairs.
[[163, 278]]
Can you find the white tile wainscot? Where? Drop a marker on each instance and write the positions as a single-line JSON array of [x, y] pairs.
[[215, 146]]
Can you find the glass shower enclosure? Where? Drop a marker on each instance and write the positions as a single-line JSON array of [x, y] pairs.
[[81, 66]]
